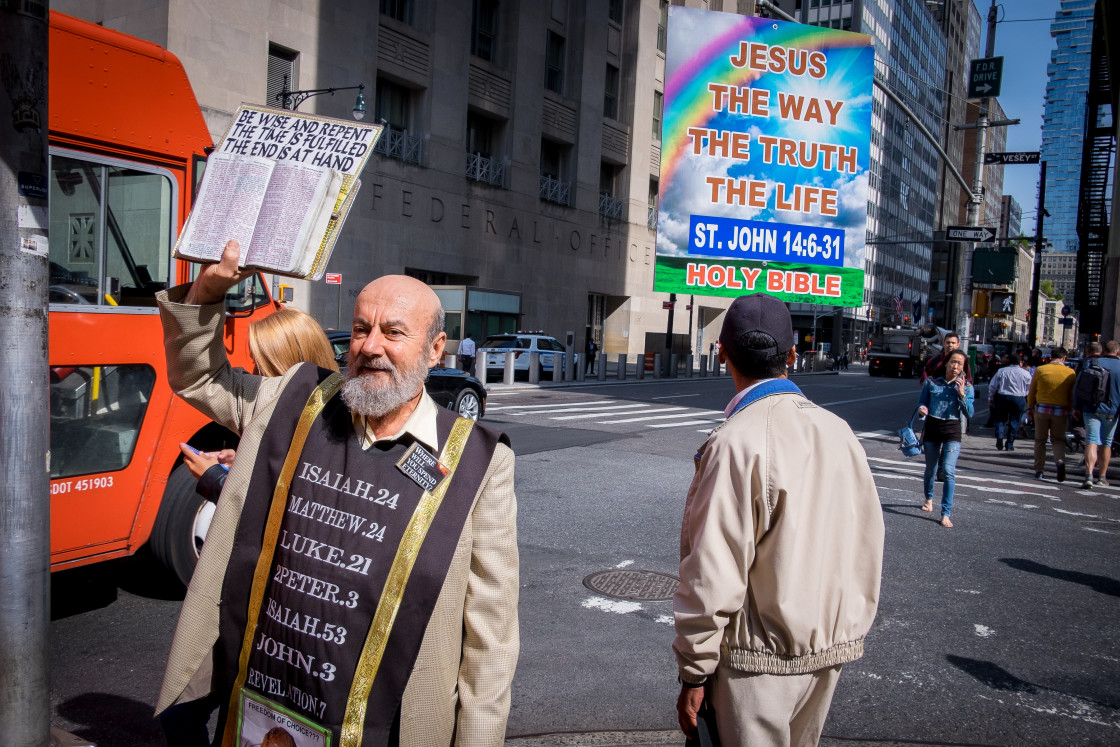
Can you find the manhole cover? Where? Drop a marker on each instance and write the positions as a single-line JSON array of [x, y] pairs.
[[644, 586]]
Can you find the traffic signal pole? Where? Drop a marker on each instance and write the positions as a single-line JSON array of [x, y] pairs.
[[25, 443], [975, 204], [1036, 281]]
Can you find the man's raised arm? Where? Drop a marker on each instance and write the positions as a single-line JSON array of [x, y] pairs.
[[198, 369]]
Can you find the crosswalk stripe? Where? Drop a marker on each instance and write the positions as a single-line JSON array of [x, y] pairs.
[[681, 414], [600, 412], [553, 405], [686, 422]]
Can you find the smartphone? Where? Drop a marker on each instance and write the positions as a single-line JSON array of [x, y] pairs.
[[193, 449]]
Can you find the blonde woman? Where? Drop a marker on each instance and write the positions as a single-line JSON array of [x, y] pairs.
[[276, 343]]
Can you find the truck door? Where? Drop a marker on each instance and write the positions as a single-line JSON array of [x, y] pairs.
[[112, 224]]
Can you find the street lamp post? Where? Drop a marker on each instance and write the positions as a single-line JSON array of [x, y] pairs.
[[292, 99]]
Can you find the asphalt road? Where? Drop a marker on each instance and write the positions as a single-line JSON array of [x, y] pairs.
[[1000, 631]]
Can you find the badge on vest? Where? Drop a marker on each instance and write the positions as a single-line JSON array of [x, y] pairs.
[[262, 722], [422, 467]]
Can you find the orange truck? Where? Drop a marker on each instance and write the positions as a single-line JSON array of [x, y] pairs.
[[128, 145]]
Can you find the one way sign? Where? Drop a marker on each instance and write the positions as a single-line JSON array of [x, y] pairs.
[[985, 76], [969, 233]]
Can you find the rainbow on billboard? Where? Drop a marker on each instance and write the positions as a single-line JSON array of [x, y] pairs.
[[764, 157]]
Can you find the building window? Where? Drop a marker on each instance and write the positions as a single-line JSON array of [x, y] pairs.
[[662, 25], [393, 107], [610, 207], [281, 72], [658, 110], [400, 10], [614, 11], [651, 206], [482, 142], [484, 29], [554, 167], [393, 104], [610, 94], [554, 63]]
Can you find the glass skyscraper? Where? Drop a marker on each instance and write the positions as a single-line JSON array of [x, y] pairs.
[[1063, 126]]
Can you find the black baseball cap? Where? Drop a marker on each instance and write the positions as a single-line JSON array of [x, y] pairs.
[[758, 312]]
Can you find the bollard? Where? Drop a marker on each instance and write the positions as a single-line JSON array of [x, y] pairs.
[[450, 361], [657, 365], [569, 363], [602, 373], [674, 360], [640, 368], [557, 370], [714, 363], [480, 368], [688, 366], [621, 371], [534, 368], [703, 366], [507, 375], [581, 370]]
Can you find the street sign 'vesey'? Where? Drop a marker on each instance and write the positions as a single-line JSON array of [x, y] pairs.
[[1009, 157], [985, 76], [969, 233], [764, 159]]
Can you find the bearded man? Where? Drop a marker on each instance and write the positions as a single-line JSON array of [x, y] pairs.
[[359, 580]]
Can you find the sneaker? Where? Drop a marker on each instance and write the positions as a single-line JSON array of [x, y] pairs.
[[1010, 446], [999, 444], [1102, 481], [1061, 471], [1038, 475], [1087, 485]]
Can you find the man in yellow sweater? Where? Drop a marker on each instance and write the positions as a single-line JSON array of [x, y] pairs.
[[1049, 402]]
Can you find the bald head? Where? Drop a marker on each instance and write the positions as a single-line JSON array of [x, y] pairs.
[[407, 296]]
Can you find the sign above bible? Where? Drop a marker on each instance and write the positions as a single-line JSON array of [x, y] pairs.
[[764, 159], [284, 135]]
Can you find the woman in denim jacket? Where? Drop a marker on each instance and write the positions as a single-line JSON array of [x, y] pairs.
[[944, 397]]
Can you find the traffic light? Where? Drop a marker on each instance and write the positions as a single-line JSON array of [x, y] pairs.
[[872, 312], [906, 319]]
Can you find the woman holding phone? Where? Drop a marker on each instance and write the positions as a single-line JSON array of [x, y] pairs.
[[944, 397]]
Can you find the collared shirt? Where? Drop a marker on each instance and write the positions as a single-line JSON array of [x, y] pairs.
[[739, 397], [1012, 381], [421, 425], [467, 347]]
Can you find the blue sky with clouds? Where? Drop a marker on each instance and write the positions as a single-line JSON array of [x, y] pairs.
[[1025, 46]]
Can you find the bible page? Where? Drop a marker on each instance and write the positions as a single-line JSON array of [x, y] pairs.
[[232, 191], [289, 214]]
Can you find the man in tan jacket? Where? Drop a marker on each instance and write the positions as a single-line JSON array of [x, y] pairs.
[[318, 599], [781, 548]]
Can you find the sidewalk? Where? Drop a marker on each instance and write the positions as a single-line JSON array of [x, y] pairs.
[[621, 738]]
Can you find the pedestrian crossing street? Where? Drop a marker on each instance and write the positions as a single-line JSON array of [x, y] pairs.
[[984, 478], [603, 411]]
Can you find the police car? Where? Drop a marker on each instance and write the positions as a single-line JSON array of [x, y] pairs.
[[493, 350]]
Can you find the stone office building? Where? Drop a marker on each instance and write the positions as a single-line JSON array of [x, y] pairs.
[[520, 161]]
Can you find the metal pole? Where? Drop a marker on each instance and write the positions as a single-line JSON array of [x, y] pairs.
[[669, 335], [25, 445], [1037, 279], [977, 202]]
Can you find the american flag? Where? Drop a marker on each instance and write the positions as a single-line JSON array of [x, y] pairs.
[[898, 301]]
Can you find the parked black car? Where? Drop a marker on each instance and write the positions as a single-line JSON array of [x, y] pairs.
[[449, 387]]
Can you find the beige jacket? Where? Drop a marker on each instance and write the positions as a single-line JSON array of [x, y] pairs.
[[459, 691], [781, 545]]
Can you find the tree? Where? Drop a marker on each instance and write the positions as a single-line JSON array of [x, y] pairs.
[[1047, 287]]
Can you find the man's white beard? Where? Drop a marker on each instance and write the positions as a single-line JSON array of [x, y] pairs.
[[364, 395]]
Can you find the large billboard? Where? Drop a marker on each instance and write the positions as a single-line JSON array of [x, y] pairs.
[[764, 159]]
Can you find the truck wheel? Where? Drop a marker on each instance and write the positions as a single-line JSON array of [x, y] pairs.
[[181, 524]]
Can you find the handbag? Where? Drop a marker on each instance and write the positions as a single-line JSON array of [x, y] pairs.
[[908, 441]]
